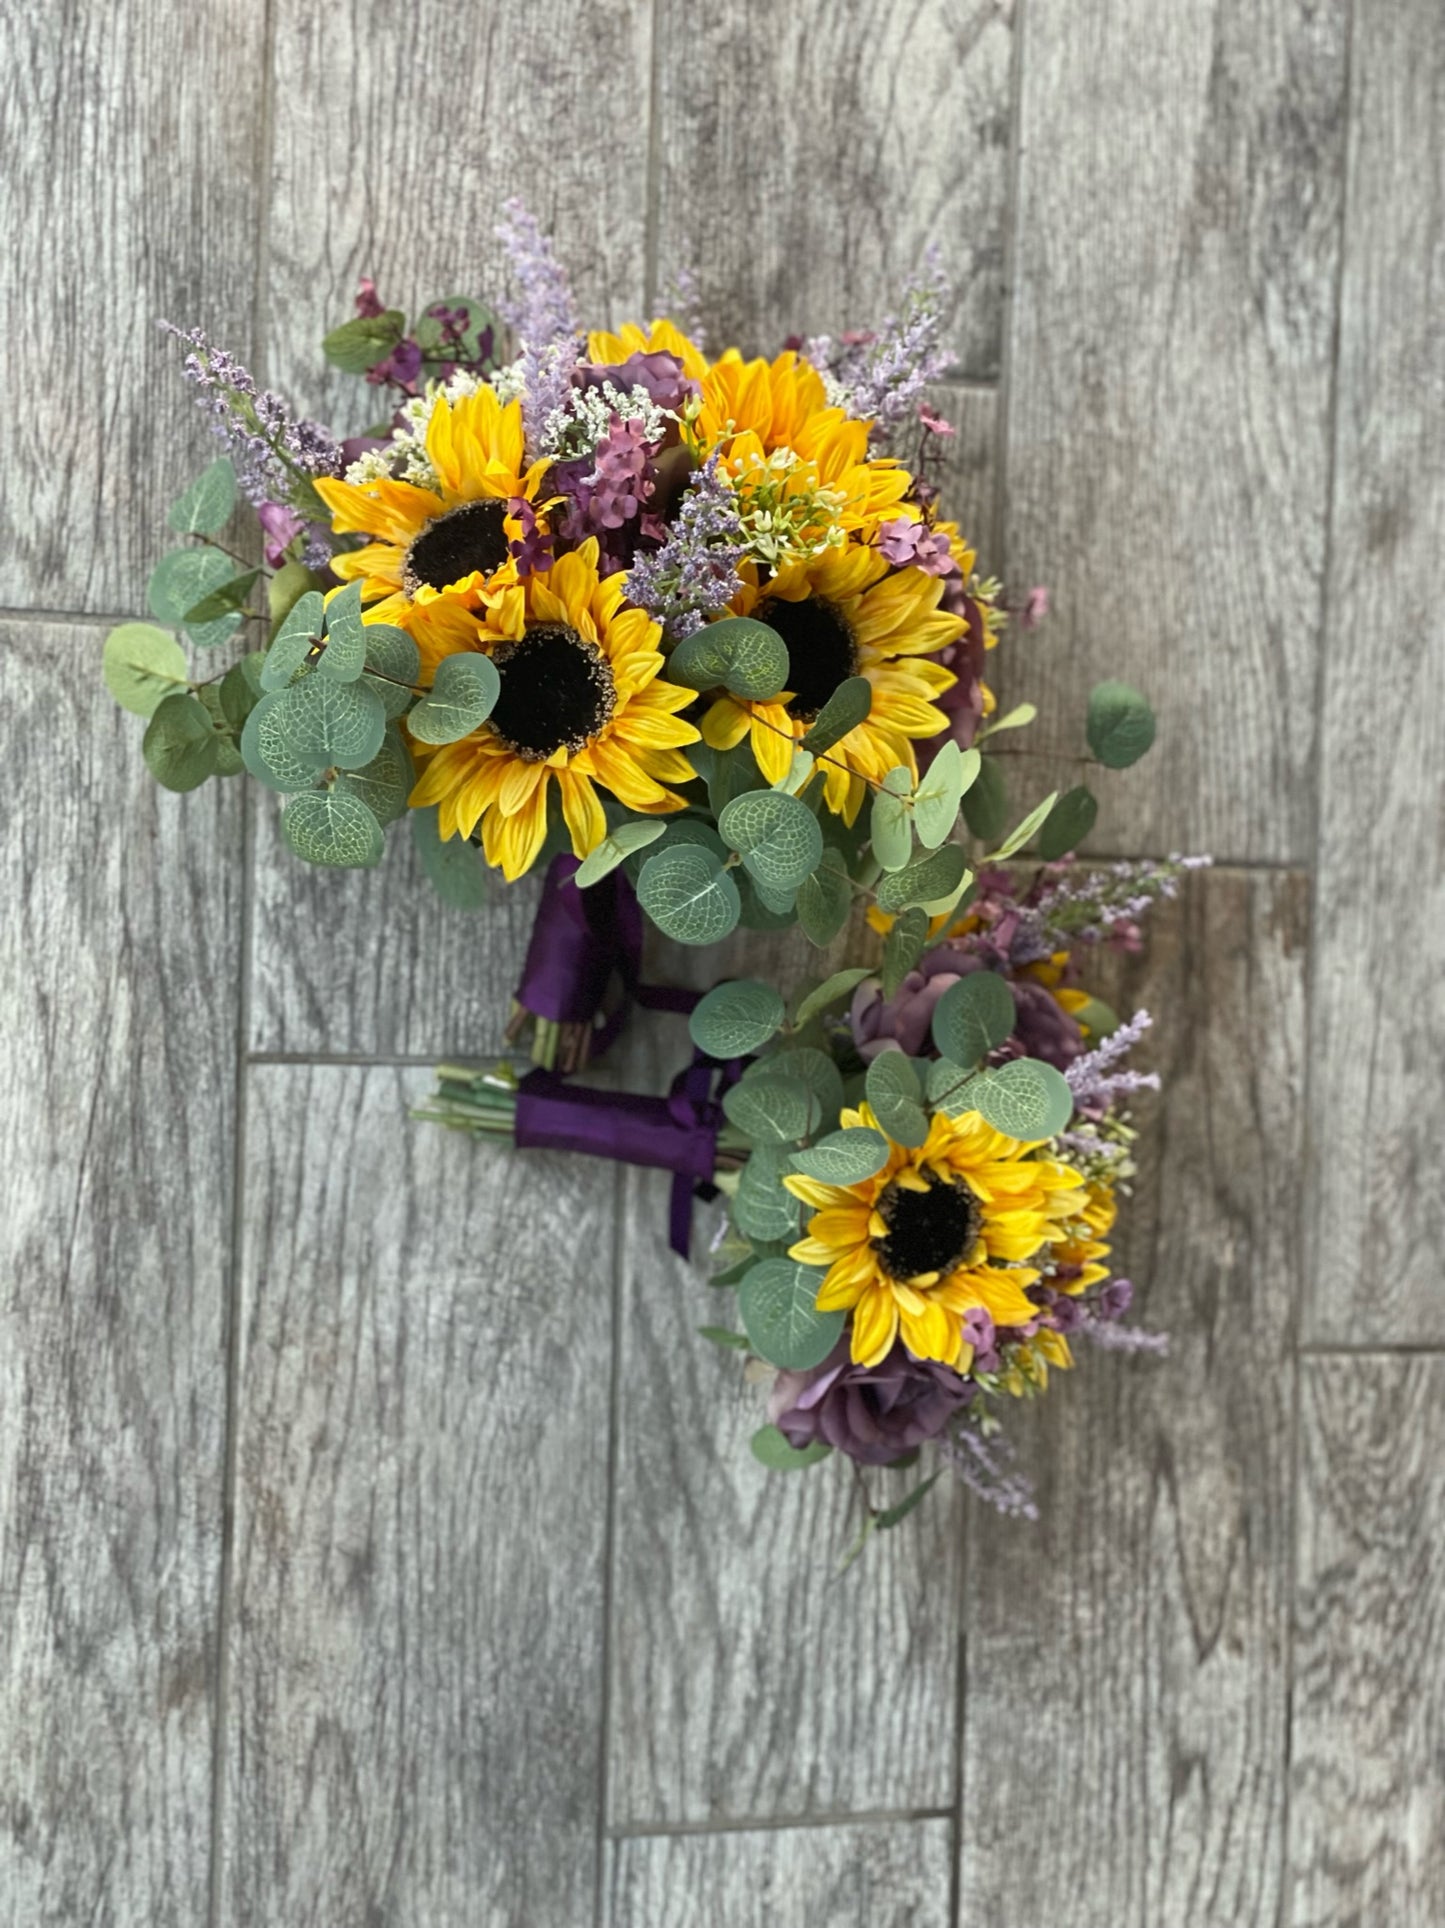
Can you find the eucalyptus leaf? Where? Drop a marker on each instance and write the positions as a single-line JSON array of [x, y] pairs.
[[764, 910], [615, 848], [948, 1086], [285, 589], [268, 755], [895, 1097], [180, 742], [385, 783], [241, 689], [1120, 725], [207, 502], [845, 1157], [985, 804], [180, 580], [777, 1302], [973, 1017], [902, 948], [454, 867], [813, 1068], [1095, 1018], [890, 829], [342, 723], [1015, 719], [689, 895], [736, 1018], [761, 1207], [738, 654], [461, 698], [333, 828], [345, 653], [937, 875], [776, 835], [939, 794], [799, 772], [721, 1336], [1024, 833], [213, 609], [360, 344], [845, 709], [771, 1449], [1068, 823], [831, 991], [825, 900], [142, 666], [772, 1111], [295, 640], [734, 772], [391, 652], [1026, 1099]]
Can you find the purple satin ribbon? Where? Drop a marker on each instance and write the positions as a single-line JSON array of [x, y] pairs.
[[580, 938], [677, 1133]]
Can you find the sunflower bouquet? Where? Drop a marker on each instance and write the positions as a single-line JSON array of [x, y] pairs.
[[692, 636]]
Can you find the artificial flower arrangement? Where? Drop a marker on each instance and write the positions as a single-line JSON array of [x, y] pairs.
[[694, 637]]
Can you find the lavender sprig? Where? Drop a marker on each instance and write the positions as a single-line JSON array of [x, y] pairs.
[[543, 317], [985, 1465], [694, 573], [882, 375], [1094, 1085]]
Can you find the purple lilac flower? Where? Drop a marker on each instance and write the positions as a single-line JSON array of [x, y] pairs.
[[915, 545], [874, 1414], [544, 318], [619, 483], [276, 454], [532, 551], [907, 354], [1094, 1085], [1104, 903], [985, 1467], [694, 574]]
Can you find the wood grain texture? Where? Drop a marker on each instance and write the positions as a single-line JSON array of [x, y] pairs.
[[416, 1672], [118, 987], [1126, 1662], [131, 195], [1376, 1212], [1367, 1821], [1169, 398], [841, 149], [750, 1678], [891, 1874], [400, 133]]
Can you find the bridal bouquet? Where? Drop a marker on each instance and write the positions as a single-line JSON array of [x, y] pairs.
[[694, 637]]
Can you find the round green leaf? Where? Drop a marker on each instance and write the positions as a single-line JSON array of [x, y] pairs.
[[616, 847], [771, 1449], [1098, 1019], [460, 700], [267, 754], [332, 828], [896, 1098], [949, 1085], [1025, 1099], [973, 1017], [1068, 823], [688, 894], [776, 835], [902, 949], [213, 608], [142, 666], [831, 991], [1120, 725], [738, 653], [359, 344], [815, 1069], [764, 910], [454, 866], [294, 640], [391, 652], [761, 1206], [180, 743], [341, 723], [180, 580], [345, 652], [844, 710], [241, 689], [825, 900], [736, 1018], [936, 801], [285, 589], [772, 1111], [385, 783], [844, 1157], [985, 803], [935, 876], [777, 1302], [207, 502]]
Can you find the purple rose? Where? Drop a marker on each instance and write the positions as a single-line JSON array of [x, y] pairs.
[[904, 1022], [659, 373], [874, 1414]]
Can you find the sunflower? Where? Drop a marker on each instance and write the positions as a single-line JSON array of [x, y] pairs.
[[1079, 1256], [937, 1232], [843, 614], [581, 704], [437, 554], [754, 409]]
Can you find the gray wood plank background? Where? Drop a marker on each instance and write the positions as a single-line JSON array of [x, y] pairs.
[[376, 1545]]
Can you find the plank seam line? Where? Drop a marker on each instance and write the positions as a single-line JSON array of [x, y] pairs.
[[1324, 1349], [620, 1191], [775, 1823]]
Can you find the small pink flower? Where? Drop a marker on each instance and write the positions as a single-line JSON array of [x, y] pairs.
[[935, 423]]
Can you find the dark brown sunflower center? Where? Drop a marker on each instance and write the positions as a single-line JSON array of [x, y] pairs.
[[932, 1231], [468, 538], [557, 691], [821, 650]]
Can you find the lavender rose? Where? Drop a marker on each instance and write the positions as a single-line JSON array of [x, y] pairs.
[[874, 1414], [1042, 1028]]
